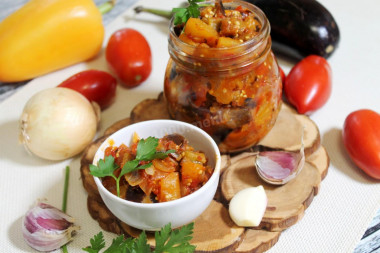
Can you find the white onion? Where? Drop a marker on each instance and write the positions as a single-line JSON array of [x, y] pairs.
[[57, 123]]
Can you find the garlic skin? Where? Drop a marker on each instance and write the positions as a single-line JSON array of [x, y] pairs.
[[57, 123], [279, 167], [46, 228]]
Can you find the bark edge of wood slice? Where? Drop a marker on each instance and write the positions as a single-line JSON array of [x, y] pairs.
[[286, 133], [240, 239], [286, 203]]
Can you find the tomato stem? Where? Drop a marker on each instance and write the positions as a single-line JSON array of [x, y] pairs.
[[107, 6]]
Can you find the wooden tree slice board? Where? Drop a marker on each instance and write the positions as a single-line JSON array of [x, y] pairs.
[[320, 159], [214, 231], [257, 241], [289, 125], [286, 203]]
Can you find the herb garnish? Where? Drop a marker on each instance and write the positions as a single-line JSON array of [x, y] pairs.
[[146, 151], [181, 15], [167, 240]]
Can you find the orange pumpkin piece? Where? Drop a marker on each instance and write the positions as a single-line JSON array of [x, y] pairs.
[[227, 42], [169, 188], [187, 40], [192, 173], [201, 32]]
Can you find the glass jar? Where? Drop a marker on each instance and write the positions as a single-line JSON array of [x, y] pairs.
[[233, 93]]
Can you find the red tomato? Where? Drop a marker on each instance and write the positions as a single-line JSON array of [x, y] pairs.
[[308, 84], [128, 55], [361, 137], [95, 85]]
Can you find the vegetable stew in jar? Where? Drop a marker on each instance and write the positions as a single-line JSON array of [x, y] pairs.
[[222, 75]]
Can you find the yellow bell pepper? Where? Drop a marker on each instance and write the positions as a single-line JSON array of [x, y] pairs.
[[47, 35]]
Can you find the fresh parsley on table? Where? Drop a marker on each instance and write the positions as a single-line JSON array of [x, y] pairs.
[[167, 240]]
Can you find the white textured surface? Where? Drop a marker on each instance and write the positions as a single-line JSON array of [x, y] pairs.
[[336, 219]]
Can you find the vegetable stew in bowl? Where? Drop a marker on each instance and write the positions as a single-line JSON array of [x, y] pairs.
[[173, 170], [168, 173]]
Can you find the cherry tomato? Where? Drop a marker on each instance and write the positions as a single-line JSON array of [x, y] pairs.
[[308, 84], [128, 54], [95, 85], [361, 137]]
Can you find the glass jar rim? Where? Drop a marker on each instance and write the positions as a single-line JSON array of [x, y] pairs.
[[251, 44]]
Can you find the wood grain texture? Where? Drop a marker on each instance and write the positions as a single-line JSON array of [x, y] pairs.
[[286, 203], [286, 134], [214, 231], [257, 241]]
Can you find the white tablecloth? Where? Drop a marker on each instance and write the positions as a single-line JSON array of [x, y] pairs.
[[338, 215]]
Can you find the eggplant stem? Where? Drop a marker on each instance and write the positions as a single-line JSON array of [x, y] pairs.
[[161, 13], [107, 6]]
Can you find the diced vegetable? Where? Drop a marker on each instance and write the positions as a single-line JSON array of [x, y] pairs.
[[165, 165], [192, 173], [195, 156], [188, 40], [227, 42], [170, 188], [200, 32]]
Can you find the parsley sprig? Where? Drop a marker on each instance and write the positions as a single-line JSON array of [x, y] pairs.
[[181, 15], [146, 151], [167, 240]]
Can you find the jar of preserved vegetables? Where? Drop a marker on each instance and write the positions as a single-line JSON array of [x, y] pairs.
[[222, 75]]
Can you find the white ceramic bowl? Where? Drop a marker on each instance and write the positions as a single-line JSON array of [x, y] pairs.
[[153, 216]]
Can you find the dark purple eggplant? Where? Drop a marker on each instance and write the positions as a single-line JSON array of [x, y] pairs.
[[300, 27]]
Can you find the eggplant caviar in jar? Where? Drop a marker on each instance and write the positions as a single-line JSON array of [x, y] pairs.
[[222, 75]]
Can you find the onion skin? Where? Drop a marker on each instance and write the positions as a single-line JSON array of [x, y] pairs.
[[57, 123]]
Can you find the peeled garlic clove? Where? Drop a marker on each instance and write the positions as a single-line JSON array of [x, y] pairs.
[[248, 206], [46, 228]]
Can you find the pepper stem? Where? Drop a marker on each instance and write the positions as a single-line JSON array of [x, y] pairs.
[[64, 202], [161, 13], [107, 6]]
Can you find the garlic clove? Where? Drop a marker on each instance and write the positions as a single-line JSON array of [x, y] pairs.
[[279, 167], [248, 206], [46, 228]]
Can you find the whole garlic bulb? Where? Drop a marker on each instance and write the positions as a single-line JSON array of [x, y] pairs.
[[57, 123]]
